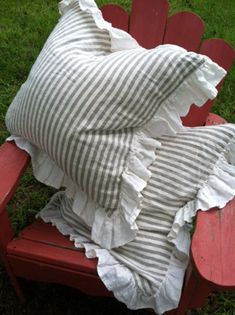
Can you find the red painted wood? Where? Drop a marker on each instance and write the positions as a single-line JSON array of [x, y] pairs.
[[213, 246], [40, 271], [6, 233], [42, 253], [13, 163], [14, 281], [45, 233], [219, 51], [200, 294], [184, 29], [213, 119], [189, 286], [54, 255], [116, 15], [147, 21], [222, 53]]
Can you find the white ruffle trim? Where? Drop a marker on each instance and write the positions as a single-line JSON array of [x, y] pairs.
[[115, 275], [120, 228], [120, 40], [196, 89], [215, 192]]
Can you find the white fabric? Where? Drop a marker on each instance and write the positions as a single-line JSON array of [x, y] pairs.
[[215, 192], [72, 146], [121, 228], [116, 230]]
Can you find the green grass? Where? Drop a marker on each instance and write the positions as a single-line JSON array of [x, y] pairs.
[[24, 27]]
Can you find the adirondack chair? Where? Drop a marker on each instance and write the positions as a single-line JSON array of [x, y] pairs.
[[41, 253]]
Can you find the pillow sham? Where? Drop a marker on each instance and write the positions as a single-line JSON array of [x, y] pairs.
[[92, 103], [193, 170]]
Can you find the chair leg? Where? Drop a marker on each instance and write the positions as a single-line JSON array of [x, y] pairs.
[[200, 295], [15, 283], [187, 292], [195, 292]]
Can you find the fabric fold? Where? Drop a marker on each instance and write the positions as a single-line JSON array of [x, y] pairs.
[[107, 192], [117, 228], [118, 277], [197, 89], [120, 40], [215, 192]]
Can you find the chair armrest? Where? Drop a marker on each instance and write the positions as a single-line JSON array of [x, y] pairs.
[[13, 162], [213, 244]]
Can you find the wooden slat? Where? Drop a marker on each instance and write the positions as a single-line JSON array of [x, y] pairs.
[[219, 51], [40, 271], [184, 29], [213, 119], [13, 163], [45, 233], [53, 255], [116, 15], [213, 245], [223, 54], [147, 21]]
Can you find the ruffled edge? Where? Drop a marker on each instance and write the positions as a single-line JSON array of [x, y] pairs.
[[215, 192], [120, 228], [115, 275], [196, 89], [120, 40]]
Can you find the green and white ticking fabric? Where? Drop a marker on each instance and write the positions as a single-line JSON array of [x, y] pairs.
[[92, 103], [193, 170], [100, 116]]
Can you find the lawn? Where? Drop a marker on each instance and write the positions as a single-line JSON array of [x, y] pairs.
[[24, 27]]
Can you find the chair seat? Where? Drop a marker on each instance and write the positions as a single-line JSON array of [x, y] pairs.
[[45, 233], [41, 253]]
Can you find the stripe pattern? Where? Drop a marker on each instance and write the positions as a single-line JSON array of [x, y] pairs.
[[82, 103], [182, 166]]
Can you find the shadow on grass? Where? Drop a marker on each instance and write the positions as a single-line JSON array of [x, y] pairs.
[[53, 299]]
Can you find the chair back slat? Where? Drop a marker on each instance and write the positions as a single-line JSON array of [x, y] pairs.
[[223, 54], [184, 29], [219, 51], [147, 21], [116, 15]]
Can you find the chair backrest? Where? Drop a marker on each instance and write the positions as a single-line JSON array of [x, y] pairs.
[[149, 24]]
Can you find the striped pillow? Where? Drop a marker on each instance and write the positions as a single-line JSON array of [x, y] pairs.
[[93, 100], [193, 170]]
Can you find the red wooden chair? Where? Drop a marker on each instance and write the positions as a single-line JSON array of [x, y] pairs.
[[41, 253]]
